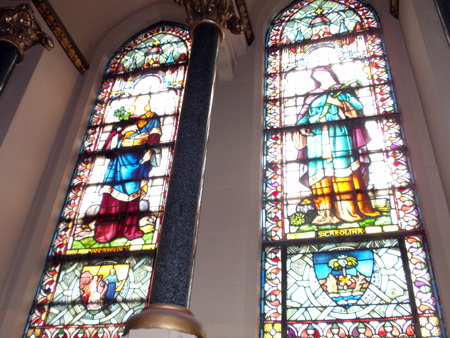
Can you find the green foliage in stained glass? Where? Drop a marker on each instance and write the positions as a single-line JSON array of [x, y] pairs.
[[297, 219], [122, 114]]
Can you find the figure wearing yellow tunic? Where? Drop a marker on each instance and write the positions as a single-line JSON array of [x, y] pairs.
[[333, 157], [127, 176]]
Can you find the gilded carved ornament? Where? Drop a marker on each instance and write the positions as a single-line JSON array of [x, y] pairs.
[[395, 8], [20, 27], [219, 11]]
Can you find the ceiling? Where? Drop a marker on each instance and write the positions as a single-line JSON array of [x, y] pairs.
[[89, 22]]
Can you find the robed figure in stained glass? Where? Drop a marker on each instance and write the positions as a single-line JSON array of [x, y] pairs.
[[126, 178], [333, 157], [111, 284]]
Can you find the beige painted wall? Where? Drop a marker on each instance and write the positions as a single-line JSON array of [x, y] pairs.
[[32, 111], [41, 143]]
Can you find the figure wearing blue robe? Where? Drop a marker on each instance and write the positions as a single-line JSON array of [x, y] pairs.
[[333, 157], [123, 177], [112, 281], [126, 178], [330, 147]]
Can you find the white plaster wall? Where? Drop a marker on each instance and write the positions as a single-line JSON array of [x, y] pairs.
[[430, 65], [32, 110], [225, 294]]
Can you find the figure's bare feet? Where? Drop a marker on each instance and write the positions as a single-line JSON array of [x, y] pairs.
[[84, 231], [325, 217], [147, 224], [349, 211], [373, 213]]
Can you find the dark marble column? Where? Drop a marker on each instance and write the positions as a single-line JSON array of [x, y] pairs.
[[443, 8], [9, 55], [174, 260], [175, 255]]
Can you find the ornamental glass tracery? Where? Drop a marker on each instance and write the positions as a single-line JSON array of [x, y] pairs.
[[344, 251], [99, 267]]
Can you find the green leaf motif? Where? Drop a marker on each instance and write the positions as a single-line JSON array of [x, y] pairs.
[[119, 112], [122, 114], [297, 219]]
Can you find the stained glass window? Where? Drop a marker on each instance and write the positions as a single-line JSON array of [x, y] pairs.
[[344, 250], [99, 267]]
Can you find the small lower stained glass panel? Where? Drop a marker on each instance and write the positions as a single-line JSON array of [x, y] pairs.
[[346, 281], [79, 292], [349, 289]]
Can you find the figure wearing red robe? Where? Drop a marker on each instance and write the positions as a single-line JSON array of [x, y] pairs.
[[126, 178]]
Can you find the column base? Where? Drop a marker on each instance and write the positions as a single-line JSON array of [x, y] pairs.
[[168, 317]]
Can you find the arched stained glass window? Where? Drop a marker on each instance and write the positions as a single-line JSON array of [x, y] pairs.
[[344, 253], [99, 267]]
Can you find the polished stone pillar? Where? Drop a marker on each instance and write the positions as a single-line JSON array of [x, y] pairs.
[[9, 55], [443, 8], [174, 262], [175, 255], [19, 31]]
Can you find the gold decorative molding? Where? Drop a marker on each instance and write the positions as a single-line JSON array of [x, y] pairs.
[[61, 33], [394, 8], [166, 316], [19, 26], [243, 12], [220, 11]]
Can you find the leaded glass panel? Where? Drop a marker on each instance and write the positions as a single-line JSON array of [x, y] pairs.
[[344, 253], [337, 163], [92, 291], [100, 264]]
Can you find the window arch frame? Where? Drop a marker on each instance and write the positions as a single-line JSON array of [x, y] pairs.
[[146, 70], [282, 243]]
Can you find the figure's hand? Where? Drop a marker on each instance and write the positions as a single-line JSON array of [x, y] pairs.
[[306, 132], [334, 101], [147, 156], [299, 137], [341, 113], [133, 128]]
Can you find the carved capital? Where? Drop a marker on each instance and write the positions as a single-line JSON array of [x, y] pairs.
[[219, 11], [394, 8], [20, 27]]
